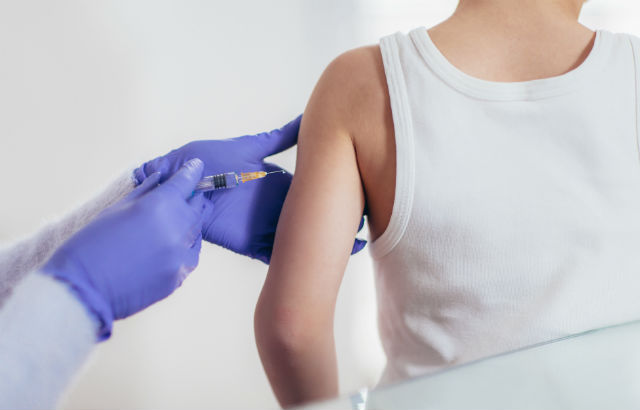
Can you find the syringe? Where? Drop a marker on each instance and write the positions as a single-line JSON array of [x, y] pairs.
[[230, 180]]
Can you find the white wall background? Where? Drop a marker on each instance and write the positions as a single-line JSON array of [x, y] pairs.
[[88, 89]]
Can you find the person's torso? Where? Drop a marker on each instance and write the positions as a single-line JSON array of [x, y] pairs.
[[514, 213]]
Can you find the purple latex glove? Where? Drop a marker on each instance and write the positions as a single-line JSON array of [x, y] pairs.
[[138, 251], [244, 219]]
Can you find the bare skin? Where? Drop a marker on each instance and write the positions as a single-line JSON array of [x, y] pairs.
[[496, 40], [346, 157]]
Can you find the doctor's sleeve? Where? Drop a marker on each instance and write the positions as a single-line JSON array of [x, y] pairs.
[[46, 334], [17, 260]]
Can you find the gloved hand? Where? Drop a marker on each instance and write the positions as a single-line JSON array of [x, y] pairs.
[[244, 219], [138, 251]]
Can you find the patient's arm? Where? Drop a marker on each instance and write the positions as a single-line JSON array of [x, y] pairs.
[[294, 315]]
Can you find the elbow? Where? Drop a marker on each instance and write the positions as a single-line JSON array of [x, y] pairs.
[[286, 331]]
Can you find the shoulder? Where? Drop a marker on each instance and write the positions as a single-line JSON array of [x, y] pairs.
[[352, 88], [361, 60], [357, 73]]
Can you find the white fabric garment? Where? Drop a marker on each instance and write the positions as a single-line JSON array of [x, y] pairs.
[[18, 259], [46, 333], [516, 217]]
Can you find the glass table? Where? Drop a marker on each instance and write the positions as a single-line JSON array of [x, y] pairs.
[[599, 369]]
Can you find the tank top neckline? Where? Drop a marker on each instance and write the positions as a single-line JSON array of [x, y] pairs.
[[509, 91]]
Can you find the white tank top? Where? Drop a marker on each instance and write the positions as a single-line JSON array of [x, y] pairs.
[[516, 217]]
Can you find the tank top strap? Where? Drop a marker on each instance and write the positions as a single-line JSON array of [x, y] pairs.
[[394, 49]]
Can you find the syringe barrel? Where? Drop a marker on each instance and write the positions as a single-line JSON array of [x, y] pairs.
[[216, 182]]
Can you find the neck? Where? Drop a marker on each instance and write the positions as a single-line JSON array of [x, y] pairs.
[[518, 11]]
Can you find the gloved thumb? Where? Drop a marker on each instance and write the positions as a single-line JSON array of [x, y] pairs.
[[270, 143], [185, 179]]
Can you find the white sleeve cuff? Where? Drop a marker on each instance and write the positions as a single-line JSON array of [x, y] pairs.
[[45, 336]]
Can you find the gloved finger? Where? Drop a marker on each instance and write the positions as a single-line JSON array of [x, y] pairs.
[[202, 207], [159, 164], [140, 174], [265, 249], [262, 253], [358, 245], [196, 247], [193, 233], [191, 260], [184, 181], [209, 224], [203, 211], [196, 202], [147, 185], [264, 256], [207, 216], [270, 143]]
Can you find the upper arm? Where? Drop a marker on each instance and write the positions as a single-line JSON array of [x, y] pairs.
[[323, 208], [317, 227]]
